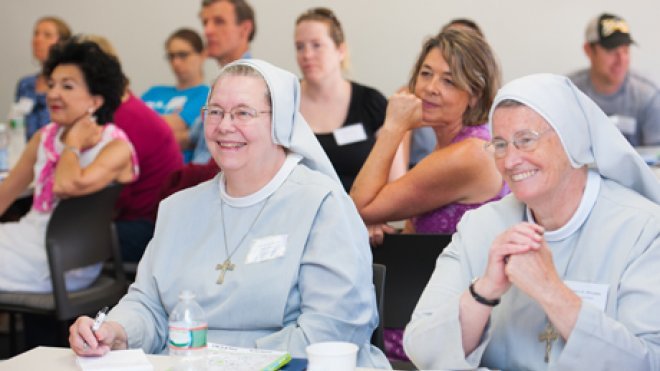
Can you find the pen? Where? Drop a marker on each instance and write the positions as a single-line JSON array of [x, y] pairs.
[[98, 321], [100, 317]]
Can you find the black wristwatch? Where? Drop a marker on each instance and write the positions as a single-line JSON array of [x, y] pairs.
[[481, 299]]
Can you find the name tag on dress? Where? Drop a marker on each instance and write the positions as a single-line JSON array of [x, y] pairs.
[[592, 293], [267, 248], [176, 104], [350, 134], [24, 105], [626, 124]]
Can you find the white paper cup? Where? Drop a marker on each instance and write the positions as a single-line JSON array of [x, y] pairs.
[[332, 356]]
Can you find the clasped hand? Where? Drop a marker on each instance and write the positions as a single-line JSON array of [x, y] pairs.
[[404, 111], [521, 257], [84, 133], [377, 233]]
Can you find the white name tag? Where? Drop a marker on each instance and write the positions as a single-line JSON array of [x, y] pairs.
[[592, 293], [350, 134], [24, 105], [176, 104], [267, 248], [626, 124]]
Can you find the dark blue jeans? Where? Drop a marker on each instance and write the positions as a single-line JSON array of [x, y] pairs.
[[134, 235]]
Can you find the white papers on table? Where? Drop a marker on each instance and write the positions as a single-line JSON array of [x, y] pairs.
[[226, 358], [116, 360]]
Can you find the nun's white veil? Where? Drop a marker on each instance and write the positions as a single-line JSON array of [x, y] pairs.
[[289, 128], [587, 134]]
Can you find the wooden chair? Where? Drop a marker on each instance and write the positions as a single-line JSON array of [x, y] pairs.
[[410, 261], [80, 233], [378, 337]]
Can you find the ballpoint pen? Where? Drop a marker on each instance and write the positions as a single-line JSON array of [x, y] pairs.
[[99, 319]]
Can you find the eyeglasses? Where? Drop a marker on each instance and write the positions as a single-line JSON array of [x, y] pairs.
[[238, 114], [180, 55], [524, 140]]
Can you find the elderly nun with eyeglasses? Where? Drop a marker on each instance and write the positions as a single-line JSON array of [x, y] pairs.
[[562, 273], [273, 247]]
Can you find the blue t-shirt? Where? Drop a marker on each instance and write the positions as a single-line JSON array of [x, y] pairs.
[[187, 103]]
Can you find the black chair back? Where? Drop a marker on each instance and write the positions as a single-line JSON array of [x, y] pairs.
[[81, 233], [410, 260]]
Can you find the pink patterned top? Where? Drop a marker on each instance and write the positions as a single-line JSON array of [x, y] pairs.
[[51, 148], [444, 219]]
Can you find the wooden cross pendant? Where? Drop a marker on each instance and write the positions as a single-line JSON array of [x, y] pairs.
[[549, 335], [224, 267]]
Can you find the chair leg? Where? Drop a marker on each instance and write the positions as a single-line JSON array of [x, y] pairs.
[[13, 334]]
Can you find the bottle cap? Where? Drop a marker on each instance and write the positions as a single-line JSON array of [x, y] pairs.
[[186, 295]]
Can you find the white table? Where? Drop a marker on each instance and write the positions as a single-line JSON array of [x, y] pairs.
[[63, 359]]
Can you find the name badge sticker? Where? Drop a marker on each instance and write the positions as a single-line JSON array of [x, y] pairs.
[[626, 124], [350, 134], [176, 104], [24, 105], [267, 248], [592, 293]]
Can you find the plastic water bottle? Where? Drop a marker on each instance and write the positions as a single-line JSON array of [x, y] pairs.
[[187, 333], [17, 137], [4, 147]]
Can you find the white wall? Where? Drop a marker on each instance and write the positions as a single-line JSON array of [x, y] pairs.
[[384, 36]]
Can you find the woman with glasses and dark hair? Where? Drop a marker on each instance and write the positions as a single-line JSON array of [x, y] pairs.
[[562, 273], [344, 115], [31, 90], [179, 105], [252, 242], [78, 153]]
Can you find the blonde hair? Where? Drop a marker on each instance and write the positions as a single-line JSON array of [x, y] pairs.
[[472, 65], [335, 31], [63, 29]]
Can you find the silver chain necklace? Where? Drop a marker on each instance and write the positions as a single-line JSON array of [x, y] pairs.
[[228, 265]]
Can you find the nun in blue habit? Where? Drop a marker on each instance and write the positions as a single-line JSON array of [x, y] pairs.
[[272, 247], [562, 273]]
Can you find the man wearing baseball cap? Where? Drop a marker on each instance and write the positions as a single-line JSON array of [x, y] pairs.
[[631, 101]]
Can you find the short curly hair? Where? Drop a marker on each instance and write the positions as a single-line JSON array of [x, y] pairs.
[[102, 72]]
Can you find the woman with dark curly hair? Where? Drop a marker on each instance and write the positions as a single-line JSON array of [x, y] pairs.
[[78, 153]]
